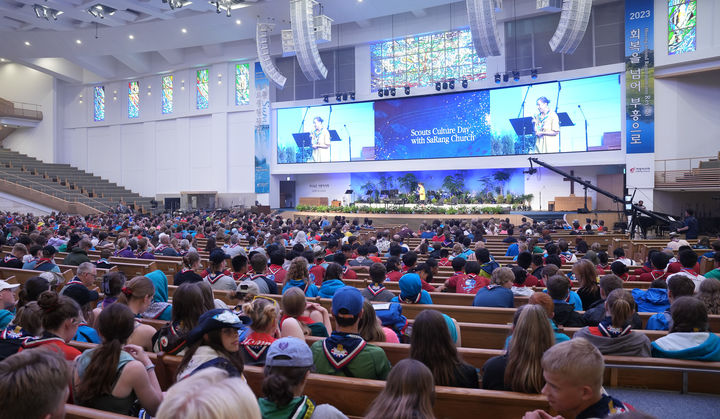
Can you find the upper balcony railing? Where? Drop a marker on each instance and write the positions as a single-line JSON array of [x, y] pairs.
[[20, 110]]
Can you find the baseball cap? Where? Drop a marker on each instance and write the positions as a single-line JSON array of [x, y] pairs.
[[289, 352], [349, 299], [80, 294], [217, 256], [4, 285], [217, 318]]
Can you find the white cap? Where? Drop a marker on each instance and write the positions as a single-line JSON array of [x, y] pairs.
[[4, 285]]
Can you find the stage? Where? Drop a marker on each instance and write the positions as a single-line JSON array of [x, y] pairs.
[[415, 220]]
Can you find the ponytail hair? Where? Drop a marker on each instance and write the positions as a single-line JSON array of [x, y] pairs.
[[262, 312], [137, 288], [115, 324], [621, 305], [280, 382], [190, 259], [56, 309]]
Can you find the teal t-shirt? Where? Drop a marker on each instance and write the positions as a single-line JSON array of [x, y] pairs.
[[5, 318], [715, 273]]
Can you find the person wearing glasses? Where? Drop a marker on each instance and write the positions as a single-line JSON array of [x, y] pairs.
[[85, 277]]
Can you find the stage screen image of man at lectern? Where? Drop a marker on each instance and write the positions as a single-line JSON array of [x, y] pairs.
[[551, 117]]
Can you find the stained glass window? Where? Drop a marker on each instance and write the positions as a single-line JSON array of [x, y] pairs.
[[167, 94], [681, 26], [99, 100], [421, 60], [242, 84], [203, 99], [133, 99]]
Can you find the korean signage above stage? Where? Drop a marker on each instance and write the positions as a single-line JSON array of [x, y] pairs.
[[639, 76]]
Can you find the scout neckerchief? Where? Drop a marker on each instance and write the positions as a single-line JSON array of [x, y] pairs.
[[375, 289], [606, 328], [468, 284], [255, 344], [341, 348]]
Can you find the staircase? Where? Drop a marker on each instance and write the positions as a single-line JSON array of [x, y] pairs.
[[67, 183]]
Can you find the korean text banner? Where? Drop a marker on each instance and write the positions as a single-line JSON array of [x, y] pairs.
[[639, 76]]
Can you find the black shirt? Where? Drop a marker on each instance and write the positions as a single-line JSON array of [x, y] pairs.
[[588, 297], [465, 376], [493, 373], [188, 276]]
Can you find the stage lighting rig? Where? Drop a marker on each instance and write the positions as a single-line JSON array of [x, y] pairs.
[[344, 97], [392, 91], [516, 75], [407, 90], [445, 85], [338, 97], [44, 12], [386, 91], [506, 77], [352, 95], [100, 11], [380, 92], [438, 86], [497, 78], [176, 4], [227, 5], [465, 84], [326, 98], [533, 73]]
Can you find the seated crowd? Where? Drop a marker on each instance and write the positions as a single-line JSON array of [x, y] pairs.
[[277, 268]]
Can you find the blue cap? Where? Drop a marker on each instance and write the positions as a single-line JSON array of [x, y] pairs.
[[349, 299], [289, 352], [217, 318]]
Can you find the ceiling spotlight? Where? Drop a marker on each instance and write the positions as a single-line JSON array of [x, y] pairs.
[[100, 11], [451, 84], [131, 36], [227, 6], [238, 21], [2, 60], [438, 86], [516, 75], [352, 95], [392, 92], [445, 85], [183, 30], [506, 77], [27, 43], [533, 73], [386, 92], [326, 98], [338, 97], [380, 93], [345, 96], [407, 90], [77, 41], [464, 84], [497, 78]]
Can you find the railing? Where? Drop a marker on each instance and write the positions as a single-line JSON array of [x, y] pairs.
[[55, 192], [21, 110], [687, 163], [684, 174]]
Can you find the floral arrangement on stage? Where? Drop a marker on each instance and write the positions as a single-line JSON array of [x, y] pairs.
[[406, 209]]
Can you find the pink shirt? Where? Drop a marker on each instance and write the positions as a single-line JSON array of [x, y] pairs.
[[390, 335]]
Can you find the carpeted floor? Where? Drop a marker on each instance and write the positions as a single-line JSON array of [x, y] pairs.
[[669, 404]]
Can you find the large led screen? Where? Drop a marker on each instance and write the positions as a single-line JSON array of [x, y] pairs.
[[565, 116]]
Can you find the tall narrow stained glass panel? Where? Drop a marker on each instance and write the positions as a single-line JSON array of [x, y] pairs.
[[99, 101], [203, 99], [133, 99], [242, 84], [682, 20], [167, 94]]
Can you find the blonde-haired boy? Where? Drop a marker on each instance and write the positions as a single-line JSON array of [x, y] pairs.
[[573, 373]]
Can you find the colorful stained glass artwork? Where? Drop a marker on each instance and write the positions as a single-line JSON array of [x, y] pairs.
[[167, 94], [242, 84], [421, 60], [203, 84], [682, 20], [99, 101], [133, 99]]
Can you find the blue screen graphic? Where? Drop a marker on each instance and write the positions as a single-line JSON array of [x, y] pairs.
[[503, 121]]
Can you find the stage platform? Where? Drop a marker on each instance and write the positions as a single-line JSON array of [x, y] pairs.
[[415, 220]]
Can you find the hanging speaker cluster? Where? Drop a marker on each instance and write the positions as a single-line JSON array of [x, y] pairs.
[[302, 22], [574, 19], [263, 50], [483, 26]]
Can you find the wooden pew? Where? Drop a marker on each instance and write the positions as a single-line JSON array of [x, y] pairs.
[[22, 275], [73, 411]]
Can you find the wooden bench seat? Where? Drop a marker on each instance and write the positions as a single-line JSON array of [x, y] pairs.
[[73, 411]]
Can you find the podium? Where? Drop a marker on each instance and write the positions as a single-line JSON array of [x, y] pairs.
[[523, 128], [303, 142]]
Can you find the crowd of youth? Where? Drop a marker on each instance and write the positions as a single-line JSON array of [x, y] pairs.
[[262, 255]]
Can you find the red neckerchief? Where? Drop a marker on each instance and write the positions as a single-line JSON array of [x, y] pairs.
[[274, 272], [160, 248], [42, 261], [255, 344], [185, 270], [9, 258], [213, 277]]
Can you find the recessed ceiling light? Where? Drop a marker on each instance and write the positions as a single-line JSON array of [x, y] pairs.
[[131, 36], [238, 21], [27, 43], [77, 41], [183, 30], [2, 60]]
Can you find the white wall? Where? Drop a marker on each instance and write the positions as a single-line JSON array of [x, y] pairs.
[[22, 84], [156, 154], [11, 203]]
